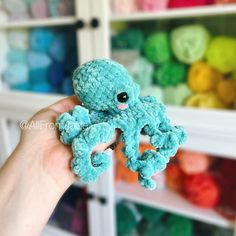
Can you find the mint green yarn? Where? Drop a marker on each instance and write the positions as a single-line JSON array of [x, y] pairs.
[[141, 70], [154, 91], [179, 226], [189, 43], [176, 95], [221, 54], [157, 48], [169, 74]]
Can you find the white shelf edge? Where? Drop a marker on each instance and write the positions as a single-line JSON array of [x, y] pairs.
[[176, 13], [171, 202], [53, 21], [50, 230]]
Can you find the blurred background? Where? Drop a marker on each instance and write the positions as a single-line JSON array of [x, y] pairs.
[[181, 51]]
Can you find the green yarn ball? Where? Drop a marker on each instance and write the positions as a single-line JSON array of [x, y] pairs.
[[141, 71], [157, 48], [154, 228], [154, 91], [223, 232], [179, 226], [125, 225], [149, 213], [189, 43], [176, 95], [170, 74], [221, 54], [128, 39]]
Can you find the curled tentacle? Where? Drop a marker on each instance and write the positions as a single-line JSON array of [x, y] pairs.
[[71, 123], [85, 164]]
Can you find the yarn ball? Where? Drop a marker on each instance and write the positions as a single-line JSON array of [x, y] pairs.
[[39, 9], [176, 95], [174, 177], [189, 42], [22, 86], [124, 6], [41, 39], [18, 39], [202, 190], [141, 71], [152, 5], [38, 75], [58, 48], [154, 227], [17, 56], [223, 232], [188, 3], [149, 213], [203, 78], [226, 90], [178, 225], [205, 100], [221, 53], [169, 74], [16, 73], [128, 39], [67, 87], [66, 8], [56, 74], [193, 162], [125, 225], [154, 91], [52, 7], [43, 87], [38, 60], [157, 48]]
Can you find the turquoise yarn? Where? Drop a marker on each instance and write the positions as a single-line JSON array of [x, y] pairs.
[[189, 43], [170, 74], [17, 56], [157, 48], [111, 100]]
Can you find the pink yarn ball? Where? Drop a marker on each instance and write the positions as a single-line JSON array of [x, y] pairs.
[[193, 162], [39, 9], [152, 5], [124, 6]]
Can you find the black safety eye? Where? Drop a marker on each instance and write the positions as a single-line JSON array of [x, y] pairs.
[[122, 97]]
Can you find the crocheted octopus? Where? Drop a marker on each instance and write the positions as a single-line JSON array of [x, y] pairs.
[[111, 101]]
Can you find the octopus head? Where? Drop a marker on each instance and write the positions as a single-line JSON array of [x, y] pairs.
[[105, 85]]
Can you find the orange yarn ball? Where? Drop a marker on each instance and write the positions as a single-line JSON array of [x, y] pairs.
[[193, 162], [202, 190], [174, 177]]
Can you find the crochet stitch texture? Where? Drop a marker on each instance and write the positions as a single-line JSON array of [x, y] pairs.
[[111, 101]]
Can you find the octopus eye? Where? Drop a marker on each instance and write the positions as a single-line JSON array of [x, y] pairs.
[[122, 97]]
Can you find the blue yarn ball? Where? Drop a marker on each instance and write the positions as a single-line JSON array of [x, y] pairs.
[[41, 39], [39, 75], [67, 87], [38, 60], [22, 87], [43, 87], [56, 74], [17, 56]]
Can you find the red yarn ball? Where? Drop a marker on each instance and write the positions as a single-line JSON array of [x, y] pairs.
[[202, 190], [188, 3]]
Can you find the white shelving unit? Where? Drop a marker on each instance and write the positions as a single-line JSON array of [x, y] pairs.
[[210, 131]]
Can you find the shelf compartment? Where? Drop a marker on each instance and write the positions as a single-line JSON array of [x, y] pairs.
[[53, 21], [50, 230], [171, 202], [176, 13]]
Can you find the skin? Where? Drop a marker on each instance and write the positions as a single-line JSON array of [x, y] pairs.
[[36, 174]]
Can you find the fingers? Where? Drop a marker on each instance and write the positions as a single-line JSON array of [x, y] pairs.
[[65, 104]]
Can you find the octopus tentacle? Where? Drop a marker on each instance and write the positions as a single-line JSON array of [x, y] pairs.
[[85, 164]]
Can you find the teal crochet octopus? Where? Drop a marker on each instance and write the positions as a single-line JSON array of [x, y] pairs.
[[111, 101]]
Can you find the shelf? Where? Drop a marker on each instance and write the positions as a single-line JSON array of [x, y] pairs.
[[50, 230], [171, 202], [176, 13], [54, 21]]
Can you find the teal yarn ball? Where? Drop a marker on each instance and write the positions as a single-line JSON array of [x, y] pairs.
[[128, 39], [170, 74], [150, 213], [126, 219], [141, 71], [189, 43], [221, 54], [154, 228], [157, 48], [179, 226]]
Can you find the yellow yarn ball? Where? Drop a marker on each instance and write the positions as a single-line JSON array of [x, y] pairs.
[[203, 78], [226, 91], [205, 100]]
